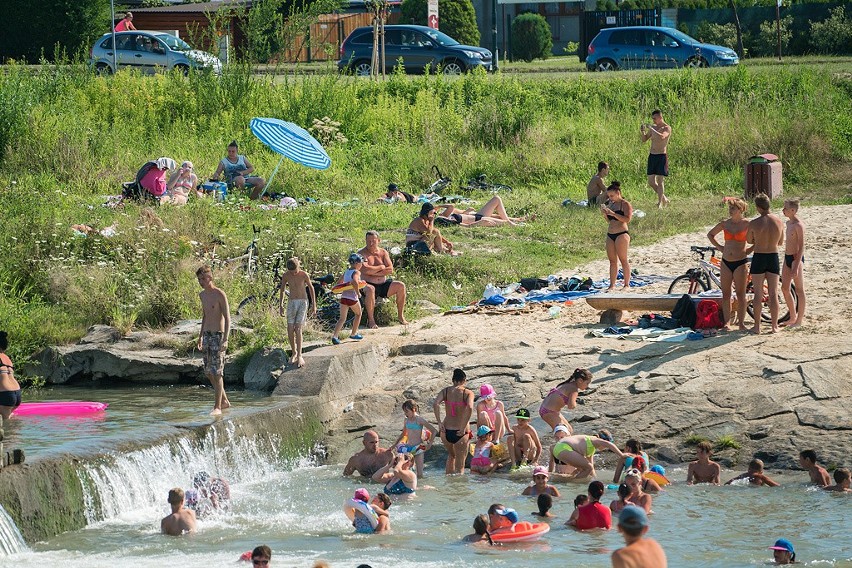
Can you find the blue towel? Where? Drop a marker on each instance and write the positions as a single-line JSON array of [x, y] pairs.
[[556, 295]]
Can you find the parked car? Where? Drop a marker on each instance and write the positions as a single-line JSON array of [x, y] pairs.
[[655, 47], [149, 51], [419, 47]]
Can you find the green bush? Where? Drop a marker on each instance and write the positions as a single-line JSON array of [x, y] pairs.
[[765, 44], [834, 34], [531, 37], [457, 18], [718, 34]]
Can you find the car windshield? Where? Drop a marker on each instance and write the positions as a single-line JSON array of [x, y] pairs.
[[681, 37], [441, 38], [174, 43]]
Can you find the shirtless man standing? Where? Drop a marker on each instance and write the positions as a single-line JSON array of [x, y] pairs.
[[640, 552], [213, 341], [376, 271], [794, 260], [371, 459], [766, 233], [818, 474], [703, 470], [297, 305], [658, 160], [181, 520]]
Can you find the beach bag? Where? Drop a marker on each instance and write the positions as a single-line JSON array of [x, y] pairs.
[[707, 315], [684, 311], [530, 284]]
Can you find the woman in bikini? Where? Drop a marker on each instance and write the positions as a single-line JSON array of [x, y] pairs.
[[618, 212], [455, 426], [422, 230], [10, 390], [181, 184], [564, 395], [734, 252], [578, 451], [492, 214]]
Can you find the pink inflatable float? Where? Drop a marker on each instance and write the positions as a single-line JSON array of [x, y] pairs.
[[65, 408]]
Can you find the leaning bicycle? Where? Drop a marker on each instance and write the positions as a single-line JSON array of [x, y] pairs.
[[706, 275]]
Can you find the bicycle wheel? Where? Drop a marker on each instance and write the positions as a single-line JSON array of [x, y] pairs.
[[246, 302], [251, 261], [689, 283], [500, 188], [765, 316]]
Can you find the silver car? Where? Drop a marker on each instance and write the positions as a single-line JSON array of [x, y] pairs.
[[149, 51]]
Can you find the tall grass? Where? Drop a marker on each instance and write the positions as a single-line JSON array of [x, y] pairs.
[[70, 138]]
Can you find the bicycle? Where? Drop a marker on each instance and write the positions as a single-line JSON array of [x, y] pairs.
[[707, 275], [440, 184], [248, 259], [479, 184]]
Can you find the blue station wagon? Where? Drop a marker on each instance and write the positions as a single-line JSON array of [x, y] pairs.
[[419, 48], [653, 47]]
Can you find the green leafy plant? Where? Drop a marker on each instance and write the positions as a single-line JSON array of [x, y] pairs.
[[694, 439], [834, 34], [727, 442], [531, 37]]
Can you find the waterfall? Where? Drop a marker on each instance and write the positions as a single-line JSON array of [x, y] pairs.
[[11, 541], [142, 478]]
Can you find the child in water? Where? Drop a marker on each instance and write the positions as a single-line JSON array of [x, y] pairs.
[[540, 485], [481, 461], [544, 502], [411, 439], [579, 501], [524, 443], [480, 531], [755, 475]]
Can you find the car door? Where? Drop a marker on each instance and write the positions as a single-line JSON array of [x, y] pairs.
[[150, 53], [419, 51], [627, 46], [662, 50], [393, 49], [126, 54]]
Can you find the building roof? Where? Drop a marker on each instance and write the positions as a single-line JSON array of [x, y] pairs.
[[199, 7]]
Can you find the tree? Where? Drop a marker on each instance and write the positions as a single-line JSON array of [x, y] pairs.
[[531, 37], [457, 18], [834, 34], [740, 50], [36, 27]]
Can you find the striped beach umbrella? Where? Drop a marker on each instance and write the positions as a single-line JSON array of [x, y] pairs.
[[291, 141]]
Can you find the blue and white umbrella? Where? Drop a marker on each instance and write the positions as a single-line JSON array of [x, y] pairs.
[[291, 141]]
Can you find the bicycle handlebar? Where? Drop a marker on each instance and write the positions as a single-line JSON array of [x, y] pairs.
[[702, 250]]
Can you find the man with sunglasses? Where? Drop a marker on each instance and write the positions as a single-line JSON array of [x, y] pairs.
[[261, 555]]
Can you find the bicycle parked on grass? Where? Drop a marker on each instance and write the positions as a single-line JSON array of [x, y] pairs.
[[706, 275], [440, 184], [479, 183], [247, 261]]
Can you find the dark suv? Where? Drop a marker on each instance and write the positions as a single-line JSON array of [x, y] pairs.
[[419, 47], [654, 47]]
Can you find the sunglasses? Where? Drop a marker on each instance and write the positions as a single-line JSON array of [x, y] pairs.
[[260, 562]]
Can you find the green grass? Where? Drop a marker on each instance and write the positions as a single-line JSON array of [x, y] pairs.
[[694, 440], [69, 138], [727, 442]]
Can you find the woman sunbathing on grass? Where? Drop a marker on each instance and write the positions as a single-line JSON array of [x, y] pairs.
[[492, 214]]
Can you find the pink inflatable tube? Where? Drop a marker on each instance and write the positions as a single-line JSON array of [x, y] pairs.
[[70, 408]]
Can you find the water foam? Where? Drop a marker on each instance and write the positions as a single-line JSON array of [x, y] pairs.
[[11, 541]]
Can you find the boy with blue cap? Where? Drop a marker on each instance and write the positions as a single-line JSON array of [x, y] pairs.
[[639, 552]]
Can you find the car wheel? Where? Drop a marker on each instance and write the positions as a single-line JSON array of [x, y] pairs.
[[606, 65], [452, 67], [103, 69], [363, 68], [695, 62], [182, 69]]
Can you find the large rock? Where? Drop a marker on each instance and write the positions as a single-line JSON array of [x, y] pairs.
[[264, 368], [825, 380], [826, 414]]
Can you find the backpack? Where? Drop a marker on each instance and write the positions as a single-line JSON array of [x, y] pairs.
[[707, 315], [576, 284], [530, 284], [684, 311]]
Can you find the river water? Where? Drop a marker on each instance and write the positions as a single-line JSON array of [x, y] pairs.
[[295, 506]]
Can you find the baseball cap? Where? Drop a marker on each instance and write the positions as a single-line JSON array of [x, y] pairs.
[[392, 187], [355, 257], [540, 470], [362, 495], [633, 518], [483, 430], [561, 428], [486, 391], [510, 514], [783, 544], [523, 413]]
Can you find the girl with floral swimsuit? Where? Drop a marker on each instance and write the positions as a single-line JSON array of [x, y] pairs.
[[564, 395]]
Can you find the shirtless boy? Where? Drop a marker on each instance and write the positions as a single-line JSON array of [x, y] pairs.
[[376, 272], [819, 476], [658, 160], [596, 188], [794, 261], [181, 520], [371, 459], [639, 552], [213, 341], [766, 233], [755, 475], [297, 305], [524, 441], [703, 470], [842, 480]]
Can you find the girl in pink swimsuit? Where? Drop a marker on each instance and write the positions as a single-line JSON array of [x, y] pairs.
[[454, 427], [564, 395]]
